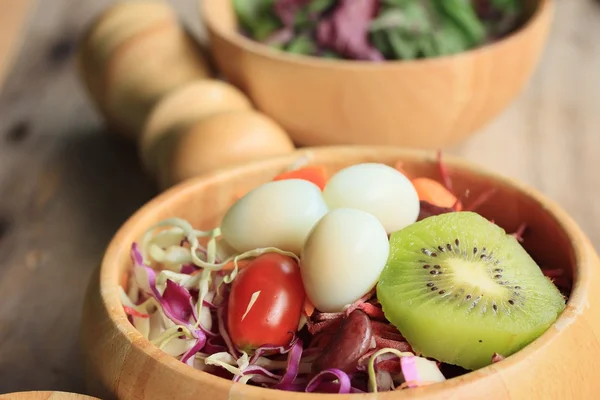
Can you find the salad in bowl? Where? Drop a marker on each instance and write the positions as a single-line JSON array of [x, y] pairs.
[[339, 271]]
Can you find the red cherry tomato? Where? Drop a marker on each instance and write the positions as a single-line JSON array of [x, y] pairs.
[[277, 309]]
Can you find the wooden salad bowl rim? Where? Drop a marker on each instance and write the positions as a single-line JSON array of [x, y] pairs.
[[544, 9], [584, 255]]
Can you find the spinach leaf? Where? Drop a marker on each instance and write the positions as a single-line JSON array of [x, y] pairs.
[[412, 19], [404, 47], [464, 16], [320, 6], [256, 16], [449, 39], [302, 44], [379, 39]]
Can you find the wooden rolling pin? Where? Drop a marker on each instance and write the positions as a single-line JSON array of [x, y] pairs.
[[151, 82]]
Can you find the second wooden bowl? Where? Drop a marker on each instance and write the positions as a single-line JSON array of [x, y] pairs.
[[429, 103], [562, 364]]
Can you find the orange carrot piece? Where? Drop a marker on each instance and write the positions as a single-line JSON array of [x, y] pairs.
[[435, 193], [309, 308], [316, 174]]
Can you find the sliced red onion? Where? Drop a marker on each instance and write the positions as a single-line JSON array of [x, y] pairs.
[[318, 382]]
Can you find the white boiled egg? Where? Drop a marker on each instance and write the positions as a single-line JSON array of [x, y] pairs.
[[377, 189], [342, 258], [276, 214]]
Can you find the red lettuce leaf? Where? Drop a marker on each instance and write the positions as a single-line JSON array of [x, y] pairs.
[[345, 31]]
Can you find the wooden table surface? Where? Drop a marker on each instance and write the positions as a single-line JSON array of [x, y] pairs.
[[66, 186]]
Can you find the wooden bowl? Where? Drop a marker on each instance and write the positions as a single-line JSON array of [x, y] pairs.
[[563, 363], [429, 103], [45, 395]]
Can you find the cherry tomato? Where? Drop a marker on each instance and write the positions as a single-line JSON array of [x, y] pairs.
[[277, 309]]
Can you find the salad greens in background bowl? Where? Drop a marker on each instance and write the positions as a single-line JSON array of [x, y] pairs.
[[378, 30], [387, 72], [488, 295]]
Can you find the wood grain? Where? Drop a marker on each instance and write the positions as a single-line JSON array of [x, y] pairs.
[[66, 186]]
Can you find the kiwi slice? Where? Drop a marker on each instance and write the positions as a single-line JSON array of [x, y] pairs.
[[460, 289]]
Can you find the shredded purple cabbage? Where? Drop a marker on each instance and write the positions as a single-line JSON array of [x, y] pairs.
[[270, 349], [267, 376], [318, 383], [138, 260], [293, 366], [179, 301], [286, 368]]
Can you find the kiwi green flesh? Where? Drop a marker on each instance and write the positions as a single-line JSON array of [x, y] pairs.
[[460, 289]]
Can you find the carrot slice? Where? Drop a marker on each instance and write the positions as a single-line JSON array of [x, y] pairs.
[[435, 193], [316, 174], [309, 308]]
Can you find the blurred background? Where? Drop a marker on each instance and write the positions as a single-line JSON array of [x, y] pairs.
[[66, 185]]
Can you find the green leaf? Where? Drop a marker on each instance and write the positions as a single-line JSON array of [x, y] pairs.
[[330, 54], [397, 3], [427, 46], [463, 14], [404, 48], [302, 20], [506, 5], [380, 41], [257, 17], [251, 11], [413, 19], [265, 27], [450, 39], [319, 6], [302, 44]]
